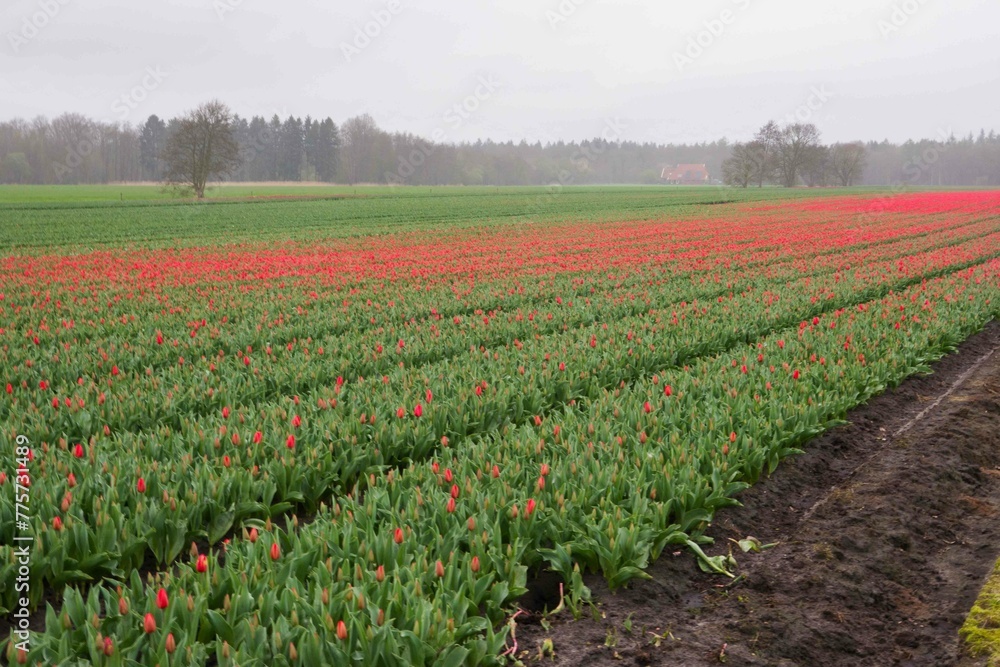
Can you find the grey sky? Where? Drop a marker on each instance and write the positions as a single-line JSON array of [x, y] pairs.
[[535, 69]]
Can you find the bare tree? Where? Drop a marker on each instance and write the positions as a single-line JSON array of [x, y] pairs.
[[742, 166], [767, 142], [848, 161], [797, 150], [200, 147], [360, 135]]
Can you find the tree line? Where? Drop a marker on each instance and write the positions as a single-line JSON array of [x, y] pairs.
[[74, 149]]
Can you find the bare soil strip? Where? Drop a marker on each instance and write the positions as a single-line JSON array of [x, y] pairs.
[[887, 530]]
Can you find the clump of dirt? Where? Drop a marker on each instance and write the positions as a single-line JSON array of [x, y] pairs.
[[884, 542]]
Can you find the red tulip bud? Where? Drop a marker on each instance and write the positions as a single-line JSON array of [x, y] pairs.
[[398, 536], [439, 569], [257, 437], [290, 442], [529, 508], [341, 631], [475, 564], [647, 408], [418, 411], [253, 535], [170, 644], [451, 506], [275, 551], [161, 599], [667, 390], [57, 524], [141, 485], [202, 564], [225, 412], [149, 624], [380, 574], [78, 451], [496, 471]]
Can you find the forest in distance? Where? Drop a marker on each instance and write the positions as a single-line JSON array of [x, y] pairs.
[[74, 149]]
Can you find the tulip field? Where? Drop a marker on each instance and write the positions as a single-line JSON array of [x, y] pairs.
[[361, 448]]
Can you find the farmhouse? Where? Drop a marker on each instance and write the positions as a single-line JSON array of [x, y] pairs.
[[685, 174]]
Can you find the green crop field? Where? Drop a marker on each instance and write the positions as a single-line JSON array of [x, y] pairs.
[[91, 216], [352, 429]]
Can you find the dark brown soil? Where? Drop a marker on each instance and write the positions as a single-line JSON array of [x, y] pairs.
[[885, 539]]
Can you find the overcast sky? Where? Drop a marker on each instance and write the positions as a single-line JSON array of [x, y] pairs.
[[510, 69]]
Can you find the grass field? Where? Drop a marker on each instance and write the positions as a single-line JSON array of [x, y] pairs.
[[351, 430], [92, 216]]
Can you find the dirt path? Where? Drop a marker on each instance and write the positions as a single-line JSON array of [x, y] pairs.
[[887, 529]]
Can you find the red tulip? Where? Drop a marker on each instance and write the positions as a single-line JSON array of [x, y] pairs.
[[201, 565], [380, 574], [57, 524], [475, 564], [253, 535], [225, 412], [400, 413], [78, 451], [398, 536], [109, 647], [290, 442], [448, 476], [647, 408], [450, 508], [341, 631], [479, 390], [257, 437], [141, 485], [495, 472], [225, 461], [429, 396], [435, 467], [159, 339], [170, 644], [10, 388], [114, 370], [71, 480], [668, 390], [418, 411], [795, 374], [529, 508], [439, 569], [732, 437], [296, 421], [161, 599], [149, 624], [275, 551]]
